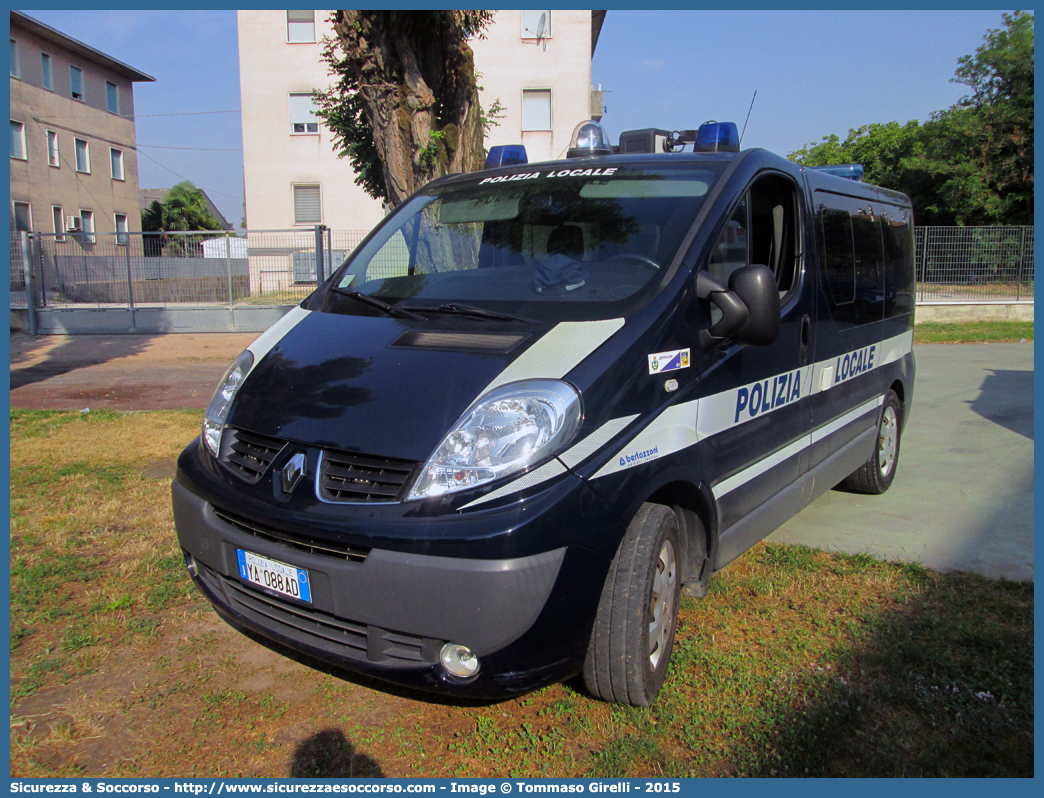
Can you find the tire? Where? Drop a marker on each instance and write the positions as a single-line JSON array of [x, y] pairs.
[[876, 474], [637, 616]]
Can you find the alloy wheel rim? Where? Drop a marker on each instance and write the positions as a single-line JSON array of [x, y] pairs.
[[661, 604], [887, 442]]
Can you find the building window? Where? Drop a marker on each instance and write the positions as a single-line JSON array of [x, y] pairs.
[[59, 222], [23, 217], [52, 149], [302, 114], [76, 83], [87, 224], [17, 140], [536, 24], [536, 109], [116, 163], [308, 208], [112, 97], [83, 156], [300, 26], [46, 76], [16, 71], [121, 229]]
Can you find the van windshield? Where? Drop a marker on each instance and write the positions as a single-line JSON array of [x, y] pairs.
[[542, 243]]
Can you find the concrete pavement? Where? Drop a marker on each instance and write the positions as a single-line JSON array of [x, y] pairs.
[[962, 499]]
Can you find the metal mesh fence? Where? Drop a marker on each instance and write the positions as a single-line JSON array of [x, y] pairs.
[[281, 267], [18, 299], [99, 270], [957, 264]]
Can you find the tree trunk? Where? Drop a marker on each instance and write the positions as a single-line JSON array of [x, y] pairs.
[[416, 75]]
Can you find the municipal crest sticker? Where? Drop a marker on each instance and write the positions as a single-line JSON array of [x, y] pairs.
[[669, 361]]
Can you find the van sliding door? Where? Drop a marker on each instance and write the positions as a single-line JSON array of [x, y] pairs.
[[847, 389]]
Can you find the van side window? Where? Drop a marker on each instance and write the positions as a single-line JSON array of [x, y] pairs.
[[852, 258], [836, 256], [899, 261], [730, 251], [763, 229]]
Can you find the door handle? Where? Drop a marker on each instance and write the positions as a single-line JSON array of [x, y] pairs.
[[806, 336]]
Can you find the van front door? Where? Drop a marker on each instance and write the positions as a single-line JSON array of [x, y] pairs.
[[754, 419]]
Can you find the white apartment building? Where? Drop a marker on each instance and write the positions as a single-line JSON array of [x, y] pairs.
[[537, 63]]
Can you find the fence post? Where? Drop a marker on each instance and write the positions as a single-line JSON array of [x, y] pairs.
[[329, 251], [30, 288], [1022, 259], [130, 287], [320, 277], [228, 266], [924, 258]]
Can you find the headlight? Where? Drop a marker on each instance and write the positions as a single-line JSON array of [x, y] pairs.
[[217, 410], [508, 430]]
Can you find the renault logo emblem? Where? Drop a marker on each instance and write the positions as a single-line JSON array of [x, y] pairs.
[[293, 472]]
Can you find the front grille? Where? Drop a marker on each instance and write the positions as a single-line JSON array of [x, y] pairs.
[[343, 638], [247, 454], [341, 551], [348, 477]]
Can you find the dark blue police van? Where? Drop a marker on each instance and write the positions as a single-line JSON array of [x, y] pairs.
[[541, 400]]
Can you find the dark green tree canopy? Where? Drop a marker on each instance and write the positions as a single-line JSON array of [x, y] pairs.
[[971, 164], [184, 208]]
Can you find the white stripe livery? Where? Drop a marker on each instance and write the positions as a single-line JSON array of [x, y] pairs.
[[723, 411], [683, 425]]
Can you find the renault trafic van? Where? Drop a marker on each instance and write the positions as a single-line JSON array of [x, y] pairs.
[[541, 400]]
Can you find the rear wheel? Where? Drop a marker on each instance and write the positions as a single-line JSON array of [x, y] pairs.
[[634, 629], [877, 473]]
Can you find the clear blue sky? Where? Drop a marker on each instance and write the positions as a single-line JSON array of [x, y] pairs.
[[816, 73]]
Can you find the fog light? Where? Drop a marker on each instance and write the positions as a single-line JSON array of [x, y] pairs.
[[459, 660]]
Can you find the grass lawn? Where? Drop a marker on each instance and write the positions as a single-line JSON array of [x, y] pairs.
[[798, 662], [938, 332]]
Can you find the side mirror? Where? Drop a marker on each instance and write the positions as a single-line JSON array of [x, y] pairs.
[[733, 311], [749, 307], [756, 286]]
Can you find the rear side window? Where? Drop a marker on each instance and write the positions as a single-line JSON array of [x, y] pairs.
[[899, 260]]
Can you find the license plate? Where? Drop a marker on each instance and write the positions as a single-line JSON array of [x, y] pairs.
[[287, 580]]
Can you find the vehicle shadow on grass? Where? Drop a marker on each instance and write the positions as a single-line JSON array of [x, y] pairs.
[[329, 755], [74, 352], [942, 687]]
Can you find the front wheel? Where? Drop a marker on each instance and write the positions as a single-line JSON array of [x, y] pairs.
[[634, 629], [876, 474]]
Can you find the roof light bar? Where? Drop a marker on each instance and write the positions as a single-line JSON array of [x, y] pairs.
[[851, 171], [506, 155]]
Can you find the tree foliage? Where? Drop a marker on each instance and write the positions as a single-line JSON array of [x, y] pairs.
[[404, 108], [183, 209], [970, 164]]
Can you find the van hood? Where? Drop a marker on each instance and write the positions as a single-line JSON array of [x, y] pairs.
[[373, 385]]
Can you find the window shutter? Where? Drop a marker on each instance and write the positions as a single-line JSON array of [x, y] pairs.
[[307, 206], [300, 26], [536, 109], [302, 114], [536, 24]]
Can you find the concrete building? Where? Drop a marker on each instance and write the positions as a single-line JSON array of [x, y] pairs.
[[537, 63], [73, 157]]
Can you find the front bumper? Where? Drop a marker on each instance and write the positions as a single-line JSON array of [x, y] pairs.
[[387, 613]]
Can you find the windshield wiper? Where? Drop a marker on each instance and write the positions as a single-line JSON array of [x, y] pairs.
[[374, 302], [466, 310]]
